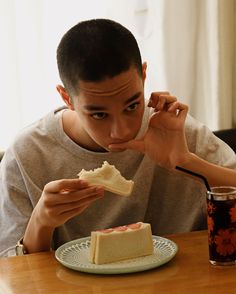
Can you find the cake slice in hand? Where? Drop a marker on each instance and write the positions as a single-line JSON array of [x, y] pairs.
[[121, 243], [109, 178]]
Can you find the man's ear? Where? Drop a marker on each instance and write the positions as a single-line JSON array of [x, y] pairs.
[[144, 67], [65, 96]]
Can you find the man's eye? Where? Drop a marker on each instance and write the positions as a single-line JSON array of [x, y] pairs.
[[99, 115], [132, 106]]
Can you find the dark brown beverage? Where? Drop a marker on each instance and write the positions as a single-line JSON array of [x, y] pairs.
[[221, 209]]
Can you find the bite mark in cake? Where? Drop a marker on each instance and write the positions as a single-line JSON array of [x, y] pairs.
[[109, 178]]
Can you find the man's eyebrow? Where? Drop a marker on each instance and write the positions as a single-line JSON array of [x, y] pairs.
[[102, 108], [134, 97]]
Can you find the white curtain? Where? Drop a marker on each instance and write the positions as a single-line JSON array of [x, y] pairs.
[[189, 46]]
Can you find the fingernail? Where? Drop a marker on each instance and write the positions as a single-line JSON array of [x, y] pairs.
[[83, 182]]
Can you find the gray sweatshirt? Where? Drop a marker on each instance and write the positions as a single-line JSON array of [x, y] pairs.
[[170, 201]]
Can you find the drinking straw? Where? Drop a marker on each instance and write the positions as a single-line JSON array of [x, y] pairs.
[[196, 175]]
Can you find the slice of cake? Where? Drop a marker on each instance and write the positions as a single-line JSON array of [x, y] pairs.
[[108, 177], [121, 243]]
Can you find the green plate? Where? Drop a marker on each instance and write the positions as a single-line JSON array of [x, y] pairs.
[[74, 255]]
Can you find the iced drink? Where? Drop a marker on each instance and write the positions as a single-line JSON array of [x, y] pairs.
[[221, 209]]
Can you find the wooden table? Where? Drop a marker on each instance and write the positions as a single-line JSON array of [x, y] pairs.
[[188, 272]]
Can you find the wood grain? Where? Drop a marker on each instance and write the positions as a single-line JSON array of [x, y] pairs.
[[189, 272]]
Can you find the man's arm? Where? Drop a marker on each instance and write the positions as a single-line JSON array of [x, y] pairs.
[[216, 175]]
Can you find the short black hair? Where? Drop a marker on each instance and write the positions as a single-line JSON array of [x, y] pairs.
[[94, 50]]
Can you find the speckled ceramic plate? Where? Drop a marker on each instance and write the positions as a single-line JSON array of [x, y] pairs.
[[74, 255]]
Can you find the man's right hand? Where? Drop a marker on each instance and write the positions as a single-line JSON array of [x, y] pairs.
[[61, 200]]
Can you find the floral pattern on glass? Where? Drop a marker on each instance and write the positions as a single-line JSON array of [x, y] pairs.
[[225, 242], [221, 221], [232, 213]]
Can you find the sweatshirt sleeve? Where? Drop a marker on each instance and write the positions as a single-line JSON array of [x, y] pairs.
[[206, 145], [15, 205]]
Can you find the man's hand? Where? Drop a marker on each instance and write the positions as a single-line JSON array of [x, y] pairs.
[[164, 141], [63, 199]]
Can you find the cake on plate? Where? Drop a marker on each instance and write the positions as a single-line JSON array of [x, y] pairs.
[[120, 243]]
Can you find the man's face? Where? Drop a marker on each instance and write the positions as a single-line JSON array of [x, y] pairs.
[[110, 111]]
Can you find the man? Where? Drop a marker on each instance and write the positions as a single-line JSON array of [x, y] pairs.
[[106, 118]]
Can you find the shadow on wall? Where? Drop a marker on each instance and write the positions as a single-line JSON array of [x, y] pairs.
[[1, 154]]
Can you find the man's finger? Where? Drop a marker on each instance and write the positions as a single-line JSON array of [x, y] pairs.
[[154, 98], [161, 101], [65, 185], [137, 145], [182, 108]]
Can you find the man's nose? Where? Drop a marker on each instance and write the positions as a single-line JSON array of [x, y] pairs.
[[120, 129]]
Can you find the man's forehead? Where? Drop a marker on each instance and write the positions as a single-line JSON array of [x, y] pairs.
[[102, 105], [111, 86]]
